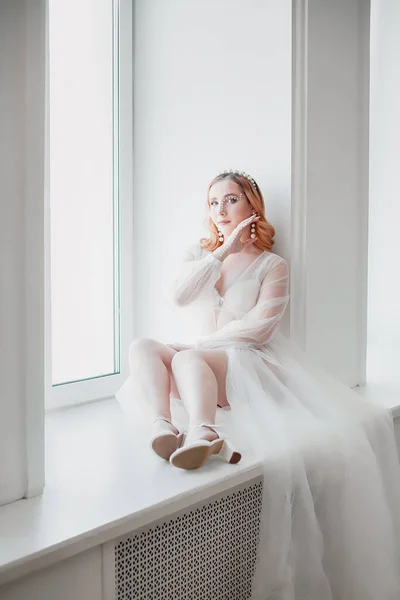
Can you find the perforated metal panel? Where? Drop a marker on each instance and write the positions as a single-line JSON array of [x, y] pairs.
[[207, 553]]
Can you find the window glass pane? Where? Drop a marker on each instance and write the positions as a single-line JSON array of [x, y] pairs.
[[83, 189]]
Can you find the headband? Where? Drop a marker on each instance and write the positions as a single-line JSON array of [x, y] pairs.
[[241, 173]]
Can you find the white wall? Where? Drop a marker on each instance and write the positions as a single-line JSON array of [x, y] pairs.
[[212, 90], [331, 164], [22, 43], [384, 207], [11, 251]]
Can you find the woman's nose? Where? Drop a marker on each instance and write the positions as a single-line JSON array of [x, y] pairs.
[[222, 209]]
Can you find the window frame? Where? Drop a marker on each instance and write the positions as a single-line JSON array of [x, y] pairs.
[[105, 386]]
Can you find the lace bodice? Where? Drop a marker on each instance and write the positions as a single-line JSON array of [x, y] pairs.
[[251, 307]]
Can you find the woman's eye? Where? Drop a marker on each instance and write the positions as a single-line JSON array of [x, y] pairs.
[[231, 199]]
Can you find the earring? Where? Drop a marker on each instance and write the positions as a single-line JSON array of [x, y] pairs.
[[253, 229], [220, 235]]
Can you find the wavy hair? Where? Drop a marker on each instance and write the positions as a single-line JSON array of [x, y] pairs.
[[265, 232]]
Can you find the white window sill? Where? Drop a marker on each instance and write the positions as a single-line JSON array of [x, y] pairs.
[[102, 482], [385, 394]]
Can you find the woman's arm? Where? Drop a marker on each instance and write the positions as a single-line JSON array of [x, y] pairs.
[[203, 273], [195, 276], [259, 324]]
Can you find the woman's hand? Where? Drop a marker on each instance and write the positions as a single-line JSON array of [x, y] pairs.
[[233, 244]]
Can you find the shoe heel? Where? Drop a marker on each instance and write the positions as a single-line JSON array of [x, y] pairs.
[[229, 454]]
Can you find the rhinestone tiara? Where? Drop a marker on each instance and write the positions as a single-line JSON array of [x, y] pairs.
[[241, 173]]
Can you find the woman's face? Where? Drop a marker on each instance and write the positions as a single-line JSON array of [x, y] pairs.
[[228, 207]]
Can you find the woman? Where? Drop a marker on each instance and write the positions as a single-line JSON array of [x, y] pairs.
[[331, 493], [242, 288]]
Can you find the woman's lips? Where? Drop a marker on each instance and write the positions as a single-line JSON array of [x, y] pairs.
[[223, 222]]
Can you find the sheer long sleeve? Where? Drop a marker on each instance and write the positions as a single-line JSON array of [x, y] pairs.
[[259, 324], [195, 275]]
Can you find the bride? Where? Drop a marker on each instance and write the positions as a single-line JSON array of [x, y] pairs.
[[331, 494]]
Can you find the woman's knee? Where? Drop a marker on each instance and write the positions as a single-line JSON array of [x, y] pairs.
[[143, 349], [142, 344], [183, 357]]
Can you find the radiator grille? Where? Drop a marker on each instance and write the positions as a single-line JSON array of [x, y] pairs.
[[206, 553]]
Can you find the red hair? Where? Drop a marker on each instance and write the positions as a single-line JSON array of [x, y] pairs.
[[265, 232]]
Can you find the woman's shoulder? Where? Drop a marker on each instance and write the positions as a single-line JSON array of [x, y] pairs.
[[275, 258], [273, 261]]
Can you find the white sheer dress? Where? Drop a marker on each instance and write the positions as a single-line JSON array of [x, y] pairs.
[[331, 496]]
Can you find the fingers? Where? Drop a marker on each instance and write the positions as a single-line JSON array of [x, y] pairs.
[[239, 228], [250, 220], [247, 221], [250, 241]]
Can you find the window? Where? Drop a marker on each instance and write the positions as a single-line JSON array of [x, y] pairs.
[[89, 190]]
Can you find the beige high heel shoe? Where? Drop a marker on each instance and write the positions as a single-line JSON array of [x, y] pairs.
[[196, 454], [166, 442]]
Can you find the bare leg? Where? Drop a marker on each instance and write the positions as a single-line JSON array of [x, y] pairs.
[[200, 377], [198, 388], [149, 364]]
